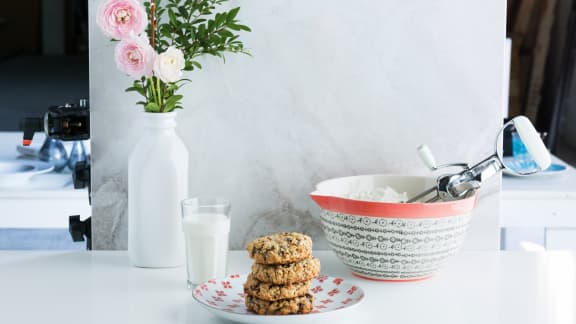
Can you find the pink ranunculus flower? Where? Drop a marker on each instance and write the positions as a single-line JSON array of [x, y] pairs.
[[120, 18], [135, 56]]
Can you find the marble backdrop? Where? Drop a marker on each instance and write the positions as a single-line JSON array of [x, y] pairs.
[[334, 88]]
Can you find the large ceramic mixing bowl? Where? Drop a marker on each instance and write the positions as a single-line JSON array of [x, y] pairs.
[[391, 241]]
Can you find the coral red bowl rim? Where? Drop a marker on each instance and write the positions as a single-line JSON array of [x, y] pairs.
[[396, 210]]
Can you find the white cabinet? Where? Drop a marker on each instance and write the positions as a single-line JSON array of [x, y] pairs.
[[561, 238], [545, 203], [32, 215], [43, 208]]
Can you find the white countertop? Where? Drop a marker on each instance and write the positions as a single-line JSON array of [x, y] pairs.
[[545, 200], [548, 184], [46, 200], [49, 185], [100, 287]]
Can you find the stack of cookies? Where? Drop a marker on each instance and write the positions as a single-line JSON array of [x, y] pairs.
[[280, 280]]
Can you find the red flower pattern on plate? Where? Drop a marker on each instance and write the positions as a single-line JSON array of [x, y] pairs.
[[352, 290], [333, 292], [316, 289], [226, 284], [321, 278], [227, 295]]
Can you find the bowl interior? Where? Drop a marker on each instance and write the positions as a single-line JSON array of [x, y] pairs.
[[342, 187]]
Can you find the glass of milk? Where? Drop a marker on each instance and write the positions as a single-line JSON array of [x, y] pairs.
[[206, 225]]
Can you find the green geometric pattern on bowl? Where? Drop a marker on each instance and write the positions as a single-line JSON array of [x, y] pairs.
[[394, 248]]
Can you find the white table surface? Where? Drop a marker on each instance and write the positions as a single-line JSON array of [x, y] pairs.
[[544, 201], [48, 185], [100, 287], [46, 200], [550, 184]]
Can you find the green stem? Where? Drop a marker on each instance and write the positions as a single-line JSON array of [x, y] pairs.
[[160, 101], [151, 90]]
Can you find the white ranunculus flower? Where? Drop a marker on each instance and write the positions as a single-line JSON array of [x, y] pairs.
[[168, 66]]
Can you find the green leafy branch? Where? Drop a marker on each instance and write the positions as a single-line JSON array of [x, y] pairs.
[[197, 29]]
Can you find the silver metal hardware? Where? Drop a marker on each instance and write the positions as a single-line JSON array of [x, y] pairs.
[[463, 184]]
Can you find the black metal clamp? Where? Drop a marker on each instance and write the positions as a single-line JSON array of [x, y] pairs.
[[81, 230], [68, 122]]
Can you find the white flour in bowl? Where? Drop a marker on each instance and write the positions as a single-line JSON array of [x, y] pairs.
[[381, 194]]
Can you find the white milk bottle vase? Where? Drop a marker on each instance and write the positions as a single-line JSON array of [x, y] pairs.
[[157, 183]]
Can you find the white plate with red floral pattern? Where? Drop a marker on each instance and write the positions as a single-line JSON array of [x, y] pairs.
[[225, 298]]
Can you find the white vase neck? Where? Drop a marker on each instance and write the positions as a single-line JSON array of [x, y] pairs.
[[159, 120]]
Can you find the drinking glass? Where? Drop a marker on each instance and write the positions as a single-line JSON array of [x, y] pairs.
[[206, 225]]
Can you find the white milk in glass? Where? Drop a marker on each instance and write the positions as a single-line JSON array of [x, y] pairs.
[[206, 245]]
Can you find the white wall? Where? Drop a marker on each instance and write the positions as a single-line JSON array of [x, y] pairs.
[[334, 88]]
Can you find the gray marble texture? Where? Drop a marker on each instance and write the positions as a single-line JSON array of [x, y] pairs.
[[334, 88]]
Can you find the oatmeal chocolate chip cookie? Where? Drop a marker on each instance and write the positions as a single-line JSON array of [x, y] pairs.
[[280, 248], [272, 292], [283, 274], [298, 305]]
